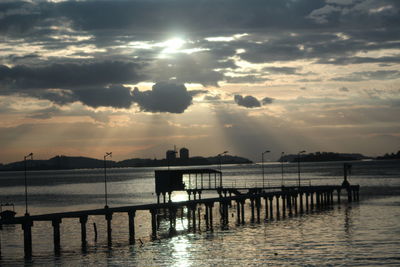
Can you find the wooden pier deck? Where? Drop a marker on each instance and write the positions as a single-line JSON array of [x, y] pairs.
[[288, 201]]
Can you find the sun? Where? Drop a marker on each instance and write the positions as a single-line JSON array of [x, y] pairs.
[[172, 45]]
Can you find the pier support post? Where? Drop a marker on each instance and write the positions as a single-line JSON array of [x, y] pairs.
[[131, 218], [311, 201], [242, 210], [109, 229], [277, 206], [338, 196], [271, 210], [317, 199], [188, 215], [266, 208], [199, 218], [83, 221], [284, 205], [210, 206], [321, 201], [327, 201], [258, 206], [207, 217], [301, 203], [27, 227], [153, 223], [56, 235], [295, 203], [307, 205], [193, 210], [328, 198], [226, 214], [172, 219], [237, 212], [252, 210], [289, 203]]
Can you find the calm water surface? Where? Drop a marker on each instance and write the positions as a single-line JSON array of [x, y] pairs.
[[361, 234]]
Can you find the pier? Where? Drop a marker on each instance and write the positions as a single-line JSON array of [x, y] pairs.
[[273, 202]]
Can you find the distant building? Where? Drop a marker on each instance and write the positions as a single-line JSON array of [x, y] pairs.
[[184, 153], [171, 155]]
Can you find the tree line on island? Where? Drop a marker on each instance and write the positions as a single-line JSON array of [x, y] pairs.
[[68, 162]]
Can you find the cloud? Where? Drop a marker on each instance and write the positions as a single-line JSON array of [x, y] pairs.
[[246, 79], [70, 75], [282, 70], [163, 97], [252, 102], [267, 100], [247, 101], [212, 97], [116, 96], [369, 75], [182, 68]]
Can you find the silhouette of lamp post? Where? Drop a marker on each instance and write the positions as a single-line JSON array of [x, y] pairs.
[[108, 154], [262, 166], [26, 184], [298, 163], [219, 156], [282, 154]]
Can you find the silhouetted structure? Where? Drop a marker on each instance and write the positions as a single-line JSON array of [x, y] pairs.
[[170, 155], [184, 153], [188, 180], [278, 201]]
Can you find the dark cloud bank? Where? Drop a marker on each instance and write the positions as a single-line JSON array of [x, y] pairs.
[[251, 102], [95, 85], [326, 31]]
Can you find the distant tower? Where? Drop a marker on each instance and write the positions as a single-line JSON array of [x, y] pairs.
[[184, 153], [171, 155]]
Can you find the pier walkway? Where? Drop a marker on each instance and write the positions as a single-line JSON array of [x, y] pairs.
[[278, 202]]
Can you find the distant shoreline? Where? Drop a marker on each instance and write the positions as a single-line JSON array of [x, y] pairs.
[[71, 163]]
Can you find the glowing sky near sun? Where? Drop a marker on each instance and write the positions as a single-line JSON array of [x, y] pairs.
[[138, 77]]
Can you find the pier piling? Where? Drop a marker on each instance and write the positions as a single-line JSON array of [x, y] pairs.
[[277, 206], [56, 235], [252, 210], [83, 221], [27, 227], [109, 229], [131, 220], [271, 215]]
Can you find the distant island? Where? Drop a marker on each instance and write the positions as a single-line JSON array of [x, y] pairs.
[[390, 156], [323, 156], [67, 162]]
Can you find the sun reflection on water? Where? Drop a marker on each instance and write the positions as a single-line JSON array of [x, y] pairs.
[[181, 251]]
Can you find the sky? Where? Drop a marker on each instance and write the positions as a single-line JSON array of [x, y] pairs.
[[82, 78]]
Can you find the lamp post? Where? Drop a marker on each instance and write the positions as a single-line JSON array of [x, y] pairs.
[[298, 163], [219, 156], [105, 176], [26, 184], [282, 154], [262, 166]]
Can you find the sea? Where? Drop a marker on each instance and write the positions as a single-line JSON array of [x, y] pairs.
[[364, 233]]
